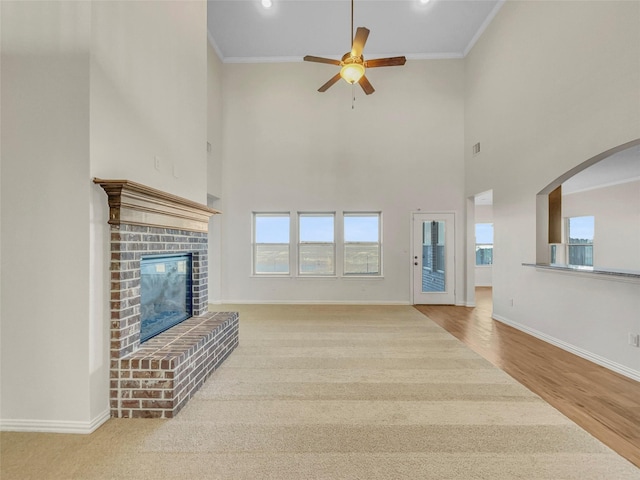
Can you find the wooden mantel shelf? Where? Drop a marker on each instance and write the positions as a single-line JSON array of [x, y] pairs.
[[136, 204]]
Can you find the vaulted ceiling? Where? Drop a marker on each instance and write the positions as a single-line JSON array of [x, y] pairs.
[[246, 31]]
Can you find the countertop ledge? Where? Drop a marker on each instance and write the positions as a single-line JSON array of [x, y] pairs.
[[616, 275]]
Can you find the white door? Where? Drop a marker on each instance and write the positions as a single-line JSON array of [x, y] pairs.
[[433, 258]]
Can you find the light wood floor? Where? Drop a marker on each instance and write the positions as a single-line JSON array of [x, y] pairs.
[[604, 403]]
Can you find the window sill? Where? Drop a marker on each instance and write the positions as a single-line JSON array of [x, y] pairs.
[[270, 275], [630, 276], [327, 277], [289, 276], [361, 277]]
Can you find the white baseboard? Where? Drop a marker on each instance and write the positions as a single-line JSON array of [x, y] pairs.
[[592, 357], [54, 426]]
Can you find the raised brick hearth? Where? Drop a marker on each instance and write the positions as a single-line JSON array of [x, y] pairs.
[[156, 378]]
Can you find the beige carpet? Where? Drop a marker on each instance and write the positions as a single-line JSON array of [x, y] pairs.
[[335, 392]]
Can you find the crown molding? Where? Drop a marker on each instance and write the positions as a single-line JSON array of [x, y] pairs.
[[483, 27], [214, 45]]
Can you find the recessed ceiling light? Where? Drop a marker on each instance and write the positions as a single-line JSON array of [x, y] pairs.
[[267, 3], [424, 2]]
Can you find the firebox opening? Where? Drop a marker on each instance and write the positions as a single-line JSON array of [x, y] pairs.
[[165, 293]]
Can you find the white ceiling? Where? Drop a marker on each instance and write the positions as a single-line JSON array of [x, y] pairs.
[[620, 167], [244, 31]]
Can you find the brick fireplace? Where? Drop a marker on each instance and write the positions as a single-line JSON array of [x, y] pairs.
[[156, 378]]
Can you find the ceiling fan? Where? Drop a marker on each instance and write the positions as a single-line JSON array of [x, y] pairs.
[[353, 65]]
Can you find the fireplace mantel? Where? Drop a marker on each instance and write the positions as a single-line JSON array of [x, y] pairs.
[[132, 203]]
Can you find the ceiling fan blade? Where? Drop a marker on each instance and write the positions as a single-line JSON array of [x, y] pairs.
[[311, 58], [366, 86], [359, 40], [385, 62], [333, 80]]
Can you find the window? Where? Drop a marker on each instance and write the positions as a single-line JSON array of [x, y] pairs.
[[316, 247], [433, 245], [362, 244], [484, 243], [580, 232], [271, 243], [317, 253]]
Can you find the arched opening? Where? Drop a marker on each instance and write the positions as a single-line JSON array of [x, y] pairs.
[[589, 217]]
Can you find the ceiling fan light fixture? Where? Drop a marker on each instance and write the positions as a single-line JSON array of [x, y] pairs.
[[352, 72]]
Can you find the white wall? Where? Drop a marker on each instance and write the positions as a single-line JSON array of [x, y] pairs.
[[214, 170], [484, 273], [45, 212], [616, 212], [563, 88], [289, 148], [88, 89], [149, 94]]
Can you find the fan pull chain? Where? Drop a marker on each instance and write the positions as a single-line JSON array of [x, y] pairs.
[[353, 96]]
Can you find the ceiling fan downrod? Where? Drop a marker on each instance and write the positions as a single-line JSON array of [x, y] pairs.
[[351, 39]]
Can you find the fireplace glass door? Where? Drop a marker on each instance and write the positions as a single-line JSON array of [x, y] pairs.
[[165, 293]]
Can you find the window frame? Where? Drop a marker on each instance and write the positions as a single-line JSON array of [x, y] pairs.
[[480, 245], [569, 244], [345, 243], [301, 244], [255, 244]]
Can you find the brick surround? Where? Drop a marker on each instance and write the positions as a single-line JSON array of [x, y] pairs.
[[128, 244], [156, 378]]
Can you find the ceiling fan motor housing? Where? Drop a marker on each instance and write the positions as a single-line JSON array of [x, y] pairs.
[[348, 58]]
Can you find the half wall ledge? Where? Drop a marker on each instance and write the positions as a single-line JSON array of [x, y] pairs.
[[594, 272]]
